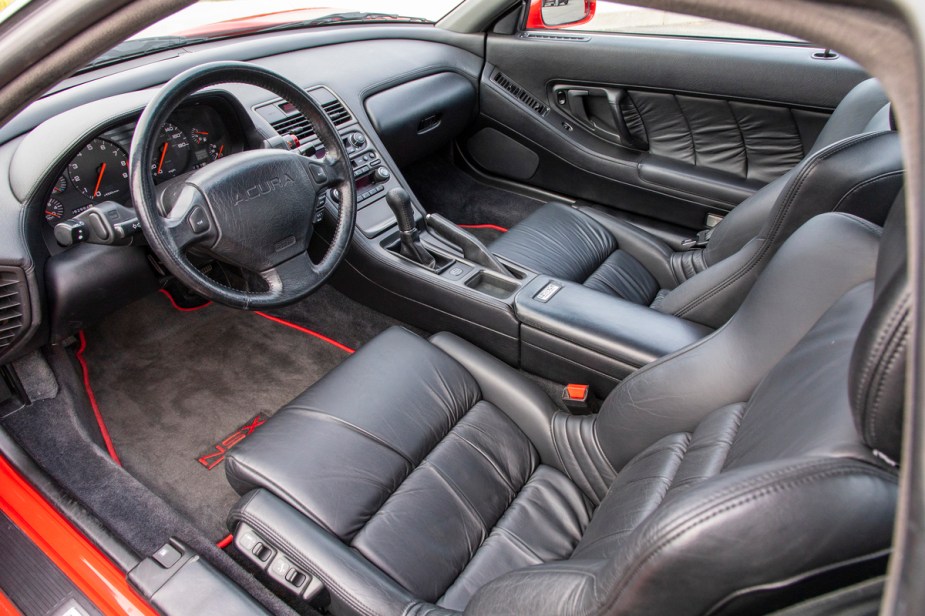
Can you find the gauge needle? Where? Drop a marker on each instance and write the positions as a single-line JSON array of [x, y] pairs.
[[220, 150], [99, 179], [50, 213], [160, 163]]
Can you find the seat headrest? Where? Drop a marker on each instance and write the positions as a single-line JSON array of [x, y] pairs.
[[878, 363], [855, 114]]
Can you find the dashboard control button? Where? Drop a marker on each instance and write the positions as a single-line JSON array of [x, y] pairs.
[[381, 174], [70, 232], [319, 174], [198, 220]]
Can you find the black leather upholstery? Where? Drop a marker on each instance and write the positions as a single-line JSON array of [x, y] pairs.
[[554, 240], [748, 141], [878, 365], [425, 477], [855, 166]]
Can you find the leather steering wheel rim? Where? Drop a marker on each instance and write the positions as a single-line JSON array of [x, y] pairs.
[[252, 209]]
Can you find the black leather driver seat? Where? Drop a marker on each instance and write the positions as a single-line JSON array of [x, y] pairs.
[[427, 477], [855, 166]]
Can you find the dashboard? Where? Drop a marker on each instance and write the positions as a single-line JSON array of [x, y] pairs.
[[68, 151], [193, 136]]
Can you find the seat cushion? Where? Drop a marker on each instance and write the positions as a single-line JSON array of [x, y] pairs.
[[396, 453], [563, 242]]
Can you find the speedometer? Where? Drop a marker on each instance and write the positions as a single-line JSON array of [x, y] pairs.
[[100, 171], [171, 153]]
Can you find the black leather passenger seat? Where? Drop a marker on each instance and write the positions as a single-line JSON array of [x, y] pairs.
[[427, 477], [855, 166]]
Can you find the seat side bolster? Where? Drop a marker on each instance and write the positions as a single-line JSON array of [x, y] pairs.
[[826, 258], [357, 586], [673, 563], [524, 402], [838, 510], [652, 252]]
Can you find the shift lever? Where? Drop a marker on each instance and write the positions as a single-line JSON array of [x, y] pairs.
[[411, 246]]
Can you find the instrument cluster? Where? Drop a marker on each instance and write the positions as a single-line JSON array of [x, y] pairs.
[[191, 138]]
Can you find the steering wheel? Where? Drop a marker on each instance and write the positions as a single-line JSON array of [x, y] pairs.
[[251, 209]]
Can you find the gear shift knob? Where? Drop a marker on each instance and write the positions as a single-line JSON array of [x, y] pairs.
[[400, 203]]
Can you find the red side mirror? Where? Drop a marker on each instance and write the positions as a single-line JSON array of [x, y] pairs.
[[560, 13]]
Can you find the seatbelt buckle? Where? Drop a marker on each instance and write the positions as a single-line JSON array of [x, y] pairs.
[[575, 396], [699, 241]]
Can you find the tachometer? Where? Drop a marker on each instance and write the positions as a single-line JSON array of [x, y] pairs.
[[100, 171], [171, 155]]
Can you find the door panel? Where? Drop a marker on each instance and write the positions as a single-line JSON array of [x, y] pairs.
[[669, 128]]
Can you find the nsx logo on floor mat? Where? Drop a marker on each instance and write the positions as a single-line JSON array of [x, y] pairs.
[[217, 454]]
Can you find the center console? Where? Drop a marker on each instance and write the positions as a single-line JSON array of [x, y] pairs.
[[426, 271], [578, 335]]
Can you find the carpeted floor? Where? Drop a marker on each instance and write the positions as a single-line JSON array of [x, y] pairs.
[[171, 385], [445, 189]]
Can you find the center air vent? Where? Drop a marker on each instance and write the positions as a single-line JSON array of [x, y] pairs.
[[297, 124], [12, 310], [525, 97]]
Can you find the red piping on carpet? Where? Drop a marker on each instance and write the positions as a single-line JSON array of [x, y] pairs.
[[174, 303], [304, 330], [224, 543], [96, 409], [495, 227]]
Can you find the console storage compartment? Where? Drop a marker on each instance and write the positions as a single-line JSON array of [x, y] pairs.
[[578, 335]]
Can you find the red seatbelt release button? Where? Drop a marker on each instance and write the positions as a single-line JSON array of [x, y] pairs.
[[575, 392]]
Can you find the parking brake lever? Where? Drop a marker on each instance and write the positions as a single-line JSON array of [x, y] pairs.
[[471, 247]]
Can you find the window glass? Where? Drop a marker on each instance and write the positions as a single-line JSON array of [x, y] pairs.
[[626, 19]]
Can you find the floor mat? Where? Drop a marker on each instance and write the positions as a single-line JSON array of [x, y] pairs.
[[172, 385], [445, 189], [334, 314]]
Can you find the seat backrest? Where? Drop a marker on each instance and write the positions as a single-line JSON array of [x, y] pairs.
[[854, 167], [767, 447]]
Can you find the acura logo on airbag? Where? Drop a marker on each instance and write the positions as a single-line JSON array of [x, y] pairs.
[[263, 188]]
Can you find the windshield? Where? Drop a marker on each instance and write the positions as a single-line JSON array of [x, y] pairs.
[[207, 17], [213, 19]]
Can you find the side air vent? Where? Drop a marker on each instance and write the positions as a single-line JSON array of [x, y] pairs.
[[298, 125], [525, 97], [12, 307]]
